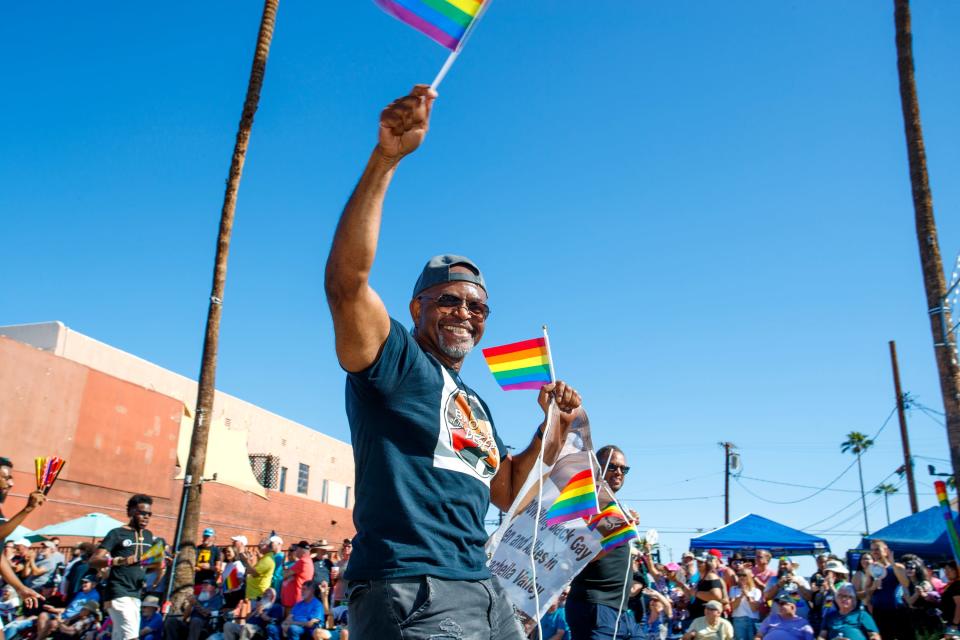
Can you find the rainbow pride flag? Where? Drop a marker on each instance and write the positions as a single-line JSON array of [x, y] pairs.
[[520, 365], [578, 499], [232, 580], [444, 21], [941, 490], [614, 526]]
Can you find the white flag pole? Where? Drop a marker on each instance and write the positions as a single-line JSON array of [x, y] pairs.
[[463, 41]]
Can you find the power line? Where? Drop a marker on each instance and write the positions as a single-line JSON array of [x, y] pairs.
[[669, 499], [801, 486], [844, 508], [820, 489]]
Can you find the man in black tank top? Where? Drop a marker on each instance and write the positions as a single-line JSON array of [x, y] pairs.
[[598, 595]]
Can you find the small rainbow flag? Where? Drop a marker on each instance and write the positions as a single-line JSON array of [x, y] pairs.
[[578, 499], [48, 470], [444, 21], [616, 528], [154, 555], [232, 581], [520, 365]]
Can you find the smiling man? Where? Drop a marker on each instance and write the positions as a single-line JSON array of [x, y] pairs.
[[428, 458]]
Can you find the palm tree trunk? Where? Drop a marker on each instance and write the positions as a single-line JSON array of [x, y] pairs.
[[933, 279], [886, 506], [184, 572], [863, 497]]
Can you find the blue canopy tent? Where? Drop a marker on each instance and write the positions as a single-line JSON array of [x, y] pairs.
[[923, 533], [752, 532]]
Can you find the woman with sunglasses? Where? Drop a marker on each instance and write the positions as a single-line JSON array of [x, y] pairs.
[[745, 600]]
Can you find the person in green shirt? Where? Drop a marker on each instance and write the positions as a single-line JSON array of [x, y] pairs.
[[259, 571], [848, 620]]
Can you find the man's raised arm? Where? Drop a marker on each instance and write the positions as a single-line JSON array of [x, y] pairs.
[[360, 320]]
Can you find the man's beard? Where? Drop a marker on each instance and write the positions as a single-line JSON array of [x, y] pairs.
[[456, 351]]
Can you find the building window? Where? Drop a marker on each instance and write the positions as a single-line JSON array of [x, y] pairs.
[[303, 478], [265, 468], [346, 501], [283, 478], [324, 494]]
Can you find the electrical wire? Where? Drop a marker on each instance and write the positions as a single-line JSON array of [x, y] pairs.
[[829, 484], [844, 508], [670, 499], [791, 484]]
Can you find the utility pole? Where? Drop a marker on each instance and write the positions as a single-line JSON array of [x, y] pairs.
[[934, 283], [904, 438], [727, 447], [206, 386]]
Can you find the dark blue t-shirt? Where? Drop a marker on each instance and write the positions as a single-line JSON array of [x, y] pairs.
[[425, 450]]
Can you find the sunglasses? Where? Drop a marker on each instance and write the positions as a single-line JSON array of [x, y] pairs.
[[449, 302], [622, 468]]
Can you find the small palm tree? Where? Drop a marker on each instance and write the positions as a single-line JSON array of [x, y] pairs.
[[857, 443], [886, 490]]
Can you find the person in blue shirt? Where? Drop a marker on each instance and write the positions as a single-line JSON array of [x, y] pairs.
[[151, 622], [429, 461], [50, 618], [553, 624], [304, 616]]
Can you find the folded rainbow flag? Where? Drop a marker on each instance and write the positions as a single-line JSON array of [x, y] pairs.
[[520, 365], [578, 499], [614, 526], [232, 581], [153, 555], [444, 21]]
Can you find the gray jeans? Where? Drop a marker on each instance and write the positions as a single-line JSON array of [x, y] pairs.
[[428, 608]]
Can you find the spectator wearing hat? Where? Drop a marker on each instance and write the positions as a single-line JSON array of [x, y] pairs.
[[711, 625], [43, 565], [729, 571], [85, 621], [297, 575], [199, 615], [260, 569], [77, 569], [429, 459], [320, 555], [848, 619], [268, 611], [151, 621], [832, 575], [788, 583], [304, 618], [785, 624], [51, 616], [209, 563]]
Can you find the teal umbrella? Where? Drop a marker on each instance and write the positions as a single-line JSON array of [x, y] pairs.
[[92, 525], [22, 532]]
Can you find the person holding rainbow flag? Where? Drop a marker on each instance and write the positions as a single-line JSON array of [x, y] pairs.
[[428, 458]]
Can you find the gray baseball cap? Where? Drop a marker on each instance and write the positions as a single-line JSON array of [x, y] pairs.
[[437, 271]]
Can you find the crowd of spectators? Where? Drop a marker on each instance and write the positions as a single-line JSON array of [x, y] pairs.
[[714, 597], [242, 591]]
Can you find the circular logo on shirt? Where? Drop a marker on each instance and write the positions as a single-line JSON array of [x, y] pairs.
[[128, 542], [471, 433]]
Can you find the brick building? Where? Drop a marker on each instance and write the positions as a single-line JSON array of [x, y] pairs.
[[123, 424]]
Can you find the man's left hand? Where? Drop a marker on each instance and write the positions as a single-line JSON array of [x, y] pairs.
[[35, 499], [566, 398]]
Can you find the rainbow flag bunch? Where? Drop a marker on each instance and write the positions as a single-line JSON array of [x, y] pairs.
[[614, 526], [520, 365], [48, 470], [443, 21], [154, 555]]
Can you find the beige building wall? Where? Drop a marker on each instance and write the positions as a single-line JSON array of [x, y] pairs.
[[330, 461]]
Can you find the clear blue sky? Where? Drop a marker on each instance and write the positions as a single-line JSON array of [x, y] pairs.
[[708, 203]]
